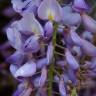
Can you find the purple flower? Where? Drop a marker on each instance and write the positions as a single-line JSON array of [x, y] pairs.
[[27, 70], [50, 10], [13, 69], [62, 89], [32, 37], [77, 50], [86, 46], [32, 44], [75, 37], [80, 5], [89, 23], [40, 80], [27, 6], [72, 76], [87, 36], [91, 65], [16, 58], [71, 60], [48, 28], [50, 53], [18, 91], [70, 18], [41, 63], [28, 25], [43, 77], [14, 37]]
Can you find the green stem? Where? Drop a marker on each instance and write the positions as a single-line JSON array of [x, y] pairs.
[[51, 67]]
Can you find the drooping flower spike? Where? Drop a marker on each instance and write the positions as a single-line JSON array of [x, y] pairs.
[[44, 50], [50, 10]]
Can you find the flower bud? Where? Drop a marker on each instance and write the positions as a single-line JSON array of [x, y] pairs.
[[48, 29], [71, 60], [43, 77], [87, 36], [62, 89], [89, 23], [88, 48], [41, 63], [75, 37]]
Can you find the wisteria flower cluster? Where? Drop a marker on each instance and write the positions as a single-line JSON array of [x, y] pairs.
[[51, 57]]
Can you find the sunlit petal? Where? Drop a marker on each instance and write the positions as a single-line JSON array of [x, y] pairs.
[[27, 70], [29, 25], [50, 10]]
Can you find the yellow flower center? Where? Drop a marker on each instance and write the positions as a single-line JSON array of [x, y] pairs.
[[50, 15]]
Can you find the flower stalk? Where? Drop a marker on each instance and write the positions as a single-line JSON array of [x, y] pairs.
[[51, 68]]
